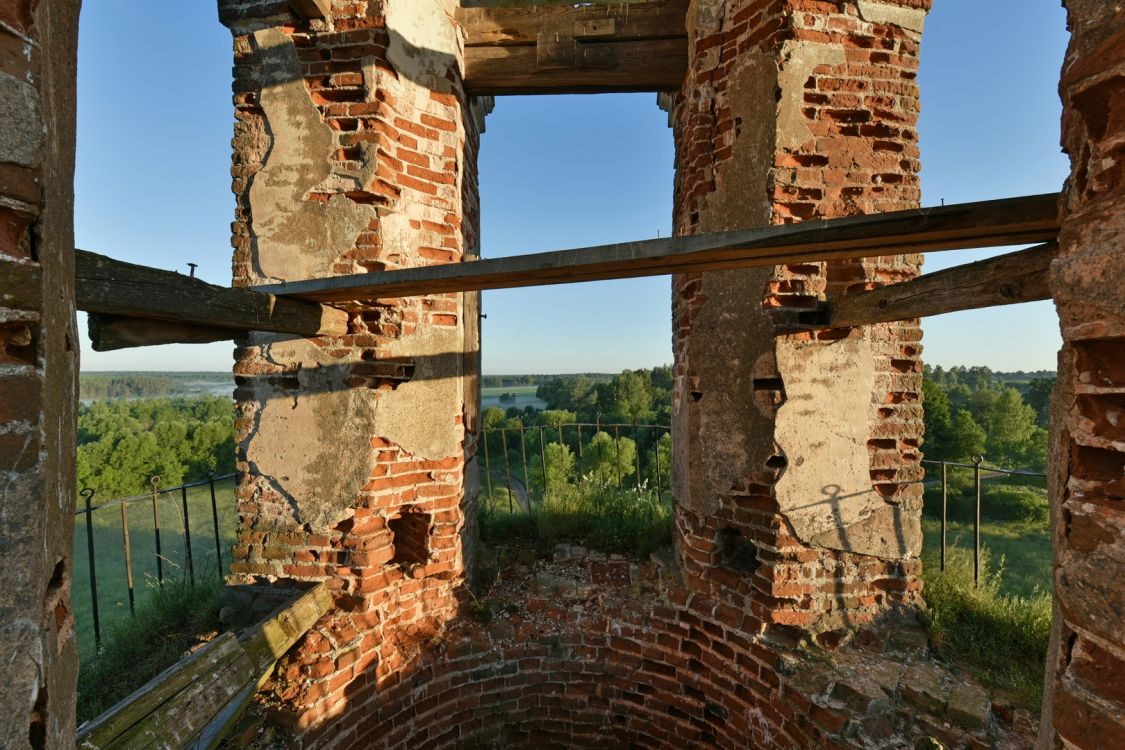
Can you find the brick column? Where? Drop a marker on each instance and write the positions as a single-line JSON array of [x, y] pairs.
[[793, 452], [355, 151], [1084, 702], [38, 372]]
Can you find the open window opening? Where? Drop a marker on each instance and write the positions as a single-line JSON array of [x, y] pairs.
[[410, 535]]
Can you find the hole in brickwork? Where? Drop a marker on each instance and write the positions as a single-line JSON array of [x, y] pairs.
[[1101, 363], [736, 552], [410, 535], [1099, 465], [37, 730]]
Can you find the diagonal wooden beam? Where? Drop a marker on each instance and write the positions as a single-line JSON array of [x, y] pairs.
[[1022, 276], [180, 305], [1011, 221]]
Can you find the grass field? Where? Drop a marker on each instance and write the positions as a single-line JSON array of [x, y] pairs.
[[109, 553], [1024, 552], [524, 396]]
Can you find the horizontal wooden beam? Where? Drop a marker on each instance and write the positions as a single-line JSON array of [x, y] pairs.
[[575, 48], [122, 290], [1012, 221], [110, 332], [1022, 276]]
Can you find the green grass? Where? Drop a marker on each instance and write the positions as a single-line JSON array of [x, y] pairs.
[[1000, 637], [603, 517], [109, 557], [172, 619]]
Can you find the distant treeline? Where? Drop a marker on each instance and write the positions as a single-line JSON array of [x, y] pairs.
[[110, 385], [509, 381], [972, 410]]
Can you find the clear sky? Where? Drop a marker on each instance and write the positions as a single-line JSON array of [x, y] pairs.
[[153, 184]]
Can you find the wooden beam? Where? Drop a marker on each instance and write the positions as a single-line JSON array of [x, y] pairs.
[[1012, 221], [1022, 276], [110, 332], [575, 49], [307, 9], [124, 290]]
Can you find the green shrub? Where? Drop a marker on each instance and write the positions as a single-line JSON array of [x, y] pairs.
[[174, 619], [1015, 503], [1001, 637]]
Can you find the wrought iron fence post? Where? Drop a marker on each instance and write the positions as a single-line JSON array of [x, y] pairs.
[[88, 495], [187, 537], [581, 462], [656, 453], [128, 557], [155, 482], [215, 519], [944, 506], [507, 468], [487, 466], [543, 457], [617, 452], [637, 439], [526, 478], [976, 519]]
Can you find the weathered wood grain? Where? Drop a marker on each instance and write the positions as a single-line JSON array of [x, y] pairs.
[[1022, 276], [193, 703], [112, 287], [1011, 221], [514, 26], [110, 332]]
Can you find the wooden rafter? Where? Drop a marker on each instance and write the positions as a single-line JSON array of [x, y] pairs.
[[1022, 276], [575, 48], [179, 305], [1011, 221]]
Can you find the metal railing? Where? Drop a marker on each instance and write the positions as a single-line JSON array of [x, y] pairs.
[[978, 474], [153, 498], [646, 438]]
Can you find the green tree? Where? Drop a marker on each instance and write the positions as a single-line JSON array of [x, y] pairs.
[[559, 468], [659, 463], [1039, 398], [1009, 424], [632, 395], [938, 418], [556, 417], [608, 460], [966, 437]]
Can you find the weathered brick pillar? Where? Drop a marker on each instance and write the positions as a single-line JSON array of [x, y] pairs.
[[1085, 690], [38, 372], [355, 151], [793, 452]]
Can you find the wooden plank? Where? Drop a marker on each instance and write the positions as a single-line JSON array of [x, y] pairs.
[[110, 332], [112, 287], [195, 701], [650, 65], [307, 9], [22, 284], [1022, 276], [515, 26], [1011, 221]]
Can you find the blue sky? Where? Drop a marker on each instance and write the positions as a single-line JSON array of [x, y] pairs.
[[153, 186]]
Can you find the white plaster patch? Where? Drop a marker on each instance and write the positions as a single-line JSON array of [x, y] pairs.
[[297, 238], [822, 430], [423, 42], [798, 60], [912, 19]]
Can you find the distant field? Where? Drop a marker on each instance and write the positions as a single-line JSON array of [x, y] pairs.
[[524, 396]]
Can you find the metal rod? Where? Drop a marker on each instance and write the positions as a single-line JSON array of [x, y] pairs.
[[637, 440], [487, 467], [155, 481], [507, 467], [87, 494], [617, 449], [187, 538], [581, 462], [215, 518], [976, 520], [128, 557], [543, 457], [944, 507], [526, 478], [656, 453]]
